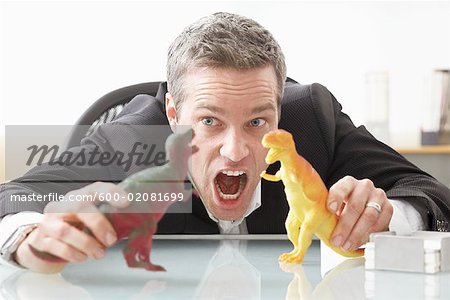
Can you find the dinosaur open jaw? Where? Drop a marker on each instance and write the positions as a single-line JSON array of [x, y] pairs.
[[230, 184]]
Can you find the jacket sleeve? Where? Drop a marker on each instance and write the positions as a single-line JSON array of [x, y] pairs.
[[54, 181], [354, 151], [57, 180]]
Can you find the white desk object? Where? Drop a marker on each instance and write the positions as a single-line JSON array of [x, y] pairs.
[[422, 251]]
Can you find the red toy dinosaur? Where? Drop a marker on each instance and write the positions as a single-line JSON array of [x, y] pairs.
[[139, 220]]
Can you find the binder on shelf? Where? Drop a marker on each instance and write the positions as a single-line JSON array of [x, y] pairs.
[[436, 117]]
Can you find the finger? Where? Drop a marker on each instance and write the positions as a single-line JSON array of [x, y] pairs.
[[56, 208], [100, 227], [340, 209], [70, 205], [382, 224], [339, 193], [87, 213], [351, 213], [118, 196], [366, 221], [77, 200], [58, 248], [384, 220], [66, 233]]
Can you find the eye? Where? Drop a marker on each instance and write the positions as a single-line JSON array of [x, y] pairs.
[[257, 122], [208, 121]]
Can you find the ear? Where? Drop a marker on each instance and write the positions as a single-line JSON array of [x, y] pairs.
[[171, 113]]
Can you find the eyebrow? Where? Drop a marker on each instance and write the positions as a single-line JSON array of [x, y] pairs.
[[213, 108], [261, 108], [219, 110]]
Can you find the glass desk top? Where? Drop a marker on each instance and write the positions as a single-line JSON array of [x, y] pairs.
[[213, 268]]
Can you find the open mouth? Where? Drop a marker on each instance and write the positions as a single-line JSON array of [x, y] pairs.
[[230, 184]]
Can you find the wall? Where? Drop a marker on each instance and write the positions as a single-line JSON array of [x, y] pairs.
[[58, 57]]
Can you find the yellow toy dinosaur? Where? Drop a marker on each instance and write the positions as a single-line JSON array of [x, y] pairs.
[[306, 194]]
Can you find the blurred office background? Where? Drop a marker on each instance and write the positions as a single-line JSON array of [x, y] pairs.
[[58, 57]]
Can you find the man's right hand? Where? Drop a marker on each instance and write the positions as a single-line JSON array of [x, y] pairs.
[[61, 231]]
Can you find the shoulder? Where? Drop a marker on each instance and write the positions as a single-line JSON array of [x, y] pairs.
[[307, 111], [313, 94], [313, 102], [143, 109]]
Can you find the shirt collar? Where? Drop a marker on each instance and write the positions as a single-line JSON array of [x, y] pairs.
[[226, 226]]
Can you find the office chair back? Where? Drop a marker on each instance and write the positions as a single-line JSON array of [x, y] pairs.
[[106, 108]]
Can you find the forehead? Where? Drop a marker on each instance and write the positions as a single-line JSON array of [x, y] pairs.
[[222, 86]]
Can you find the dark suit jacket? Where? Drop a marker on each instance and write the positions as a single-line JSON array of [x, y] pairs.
[[324, 135]]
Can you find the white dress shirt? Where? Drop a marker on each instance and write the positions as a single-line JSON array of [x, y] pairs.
[[239, 226], [405, 217]]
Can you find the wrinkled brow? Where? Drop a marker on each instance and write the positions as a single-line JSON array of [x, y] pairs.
[[213, 108], [264, 107], [220, 110]]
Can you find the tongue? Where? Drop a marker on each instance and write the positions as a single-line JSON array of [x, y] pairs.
[[228, 184]]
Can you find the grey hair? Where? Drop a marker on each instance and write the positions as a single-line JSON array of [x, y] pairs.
[[222, 40]]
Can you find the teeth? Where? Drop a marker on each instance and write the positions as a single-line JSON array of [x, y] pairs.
[[233, 173], [231, 196]]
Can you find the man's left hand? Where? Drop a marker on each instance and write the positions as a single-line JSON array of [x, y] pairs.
[[348, 199]]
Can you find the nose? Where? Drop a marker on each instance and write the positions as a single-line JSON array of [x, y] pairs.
[[234, 146]]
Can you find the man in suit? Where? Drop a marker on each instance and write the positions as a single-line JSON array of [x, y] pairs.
[[227, 79]]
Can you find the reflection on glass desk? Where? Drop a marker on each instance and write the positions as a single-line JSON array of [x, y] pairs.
[[222, 269]]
